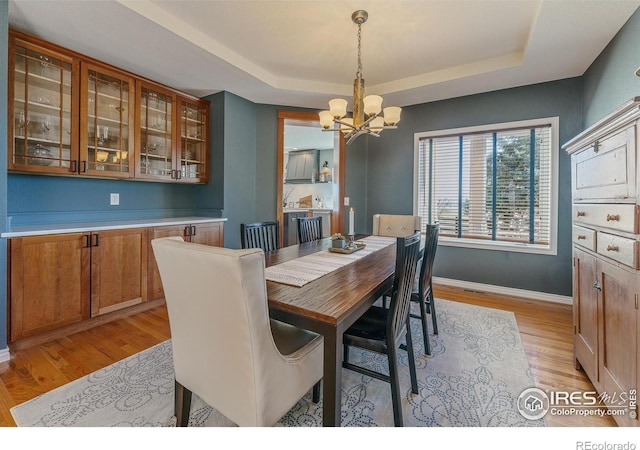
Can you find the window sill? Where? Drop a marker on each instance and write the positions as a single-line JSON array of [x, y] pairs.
[[500, 246]]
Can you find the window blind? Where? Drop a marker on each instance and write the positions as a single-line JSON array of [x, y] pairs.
[[492, 185]]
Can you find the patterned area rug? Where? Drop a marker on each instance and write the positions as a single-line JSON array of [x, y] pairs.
[[473, 378]]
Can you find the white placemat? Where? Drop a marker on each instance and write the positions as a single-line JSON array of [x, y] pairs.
[[300, 271]]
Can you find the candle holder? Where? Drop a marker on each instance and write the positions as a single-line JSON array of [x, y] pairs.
[[350, 239]]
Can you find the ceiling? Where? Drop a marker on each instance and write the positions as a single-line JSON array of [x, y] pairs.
[[303, 53]]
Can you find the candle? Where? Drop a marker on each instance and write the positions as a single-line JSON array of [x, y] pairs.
[[351, 221]]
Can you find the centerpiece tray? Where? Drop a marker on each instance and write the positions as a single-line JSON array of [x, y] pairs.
[[346, 251]]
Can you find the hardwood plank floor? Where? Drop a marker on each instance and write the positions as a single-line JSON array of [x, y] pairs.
[[545, 329]]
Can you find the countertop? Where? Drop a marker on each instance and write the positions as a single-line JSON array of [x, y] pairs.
[[295, 210], [81, 227]]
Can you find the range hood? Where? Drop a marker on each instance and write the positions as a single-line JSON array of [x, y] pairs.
[[302, 166]]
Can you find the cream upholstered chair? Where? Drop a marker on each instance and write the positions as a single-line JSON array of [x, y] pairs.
[[395, 225], [226, 350]]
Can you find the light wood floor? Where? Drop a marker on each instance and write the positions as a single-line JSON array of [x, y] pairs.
[[545, 329]]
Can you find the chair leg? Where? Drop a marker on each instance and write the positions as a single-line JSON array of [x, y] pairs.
[[395, 386], [182, 405], [412, 361], [425, 327], [316, 392], [434, 320]]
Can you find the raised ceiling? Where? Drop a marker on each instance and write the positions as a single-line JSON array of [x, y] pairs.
[[302, 53]]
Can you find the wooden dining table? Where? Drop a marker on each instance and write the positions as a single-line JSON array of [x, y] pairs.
[[329, 305]]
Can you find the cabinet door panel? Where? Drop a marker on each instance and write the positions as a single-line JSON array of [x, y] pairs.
[[155, 290], [106, 113], [193, 132], [156, 131], [49, 282], [118, 269], [585, 311], [42, 109], [618, 339], [208, 234]]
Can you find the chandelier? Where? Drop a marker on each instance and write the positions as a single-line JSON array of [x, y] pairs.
[[368, 115]]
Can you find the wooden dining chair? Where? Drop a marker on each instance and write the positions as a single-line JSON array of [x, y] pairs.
[[423, 292], [309, 229], [383, 330], [264, 235]]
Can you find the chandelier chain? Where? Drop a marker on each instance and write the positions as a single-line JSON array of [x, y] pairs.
[[359, 71]]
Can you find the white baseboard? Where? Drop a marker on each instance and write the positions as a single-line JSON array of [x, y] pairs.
[[4, 355], [555, 298]]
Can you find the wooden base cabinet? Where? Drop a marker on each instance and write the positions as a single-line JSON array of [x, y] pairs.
[[60, 279], [49, 283], [118, 269], [606, 263], [209, 233]]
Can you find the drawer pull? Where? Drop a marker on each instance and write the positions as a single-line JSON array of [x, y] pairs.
[[613, 217], [581, 237], [581, 213], [612, 248]]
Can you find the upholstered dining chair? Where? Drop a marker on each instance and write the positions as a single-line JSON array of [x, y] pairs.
[[309, 229], [226, 350], [383, 330], [423, 292], [395, 225], [264, 235]]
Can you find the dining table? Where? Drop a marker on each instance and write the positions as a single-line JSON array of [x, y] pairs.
[[329, 305]]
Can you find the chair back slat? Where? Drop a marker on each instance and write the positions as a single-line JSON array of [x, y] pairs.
[[309, 229], [426, 269], [407, 251], [264, 235]]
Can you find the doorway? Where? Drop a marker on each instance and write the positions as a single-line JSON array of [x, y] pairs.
[[319, 191]]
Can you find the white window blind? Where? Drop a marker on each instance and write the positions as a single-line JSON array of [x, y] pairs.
[[493, 185]]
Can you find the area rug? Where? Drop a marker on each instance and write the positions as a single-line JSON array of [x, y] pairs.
[[473, 378]]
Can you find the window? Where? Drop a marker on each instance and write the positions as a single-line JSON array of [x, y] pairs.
[[492, 186]]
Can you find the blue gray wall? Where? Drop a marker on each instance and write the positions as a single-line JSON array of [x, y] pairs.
[[4, 43], [390, 179], [611, 80]]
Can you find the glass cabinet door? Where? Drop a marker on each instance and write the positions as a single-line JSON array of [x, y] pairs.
[[193, 151], [106, 113], [41, 124], [156, 134]]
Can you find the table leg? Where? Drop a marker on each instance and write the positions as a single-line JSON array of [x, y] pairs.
[[332, 380]]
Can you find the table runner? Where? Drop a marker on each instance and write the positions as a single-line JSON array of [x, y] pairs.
[[300, 271]]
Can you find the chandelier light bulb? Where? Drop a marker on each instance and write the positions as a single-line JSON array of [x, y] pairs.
[[326, 119], [372, 105], [392, 115], [338, 108]]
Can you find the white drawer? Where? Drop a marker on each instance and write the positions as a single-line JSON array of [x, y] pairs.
[[622, 217], [606, 169], [619, 248], [584, 237]]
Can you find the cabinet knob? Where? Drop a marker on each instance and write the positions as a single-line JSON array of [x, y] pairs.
[[597, 286], [612, 248], [581, 237], [613, 217], [581, 214]]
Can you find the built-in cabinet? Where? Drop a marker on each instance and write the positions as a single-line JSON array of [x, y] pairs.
[[62, 279], [606, 239], [72, 115], [200, 233]]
